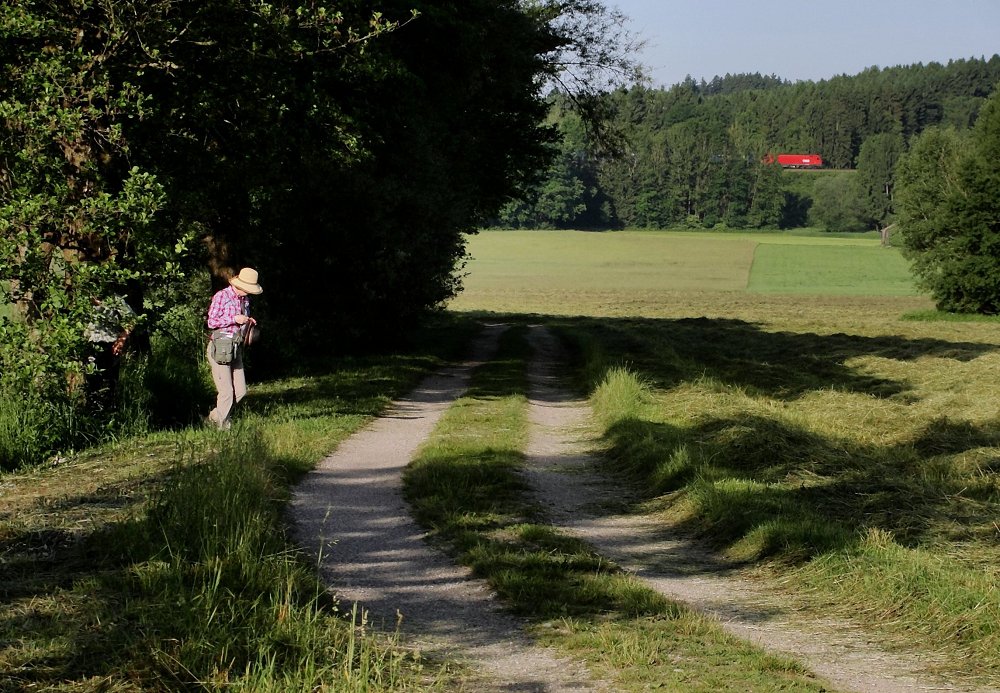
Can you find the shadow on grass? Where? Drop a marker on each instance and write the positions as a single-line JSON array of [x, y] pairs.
[[783, 365], [786, 492], [59, 615], [357, 387], [478, 509], [761, 486]]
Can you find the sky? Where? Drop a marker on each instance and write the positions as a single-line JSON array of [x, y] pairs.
[[806, 39]]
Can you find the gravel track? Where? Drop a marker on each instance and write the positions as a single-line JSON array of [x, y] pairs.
[[350, 511]]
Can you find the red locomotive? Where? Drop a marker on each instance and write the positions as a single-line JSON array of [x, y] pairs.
[[795, 160]]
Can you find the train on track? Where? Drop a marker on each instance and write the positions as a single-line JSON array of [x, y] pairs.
[[795, 160]]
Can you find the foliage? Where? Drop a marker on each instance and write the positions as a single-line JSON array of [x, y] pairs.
[[452, 118], [876, 176], [78, 223], [837, 204], [568, 195], [950, 210], [342, 152]]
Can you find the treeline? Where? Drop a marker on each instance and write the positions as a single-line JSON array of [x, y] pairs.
[[691, 155]]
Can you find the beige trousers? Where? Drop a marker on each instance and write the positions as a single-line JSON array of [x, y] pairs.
[[231, 386]]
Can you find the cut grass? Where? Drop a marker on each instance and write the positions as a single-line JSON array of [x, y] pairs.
[[464, 485], [676, 274], [768, 462], [179, 597], [845, 445]]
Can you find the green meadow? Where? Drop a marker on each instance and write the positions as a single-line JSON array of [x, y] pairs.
[[789, 401], [649, 273], [793, 402]]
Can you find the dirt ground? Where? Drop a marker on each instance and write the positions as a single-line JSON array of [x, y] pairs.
[[351, 512]]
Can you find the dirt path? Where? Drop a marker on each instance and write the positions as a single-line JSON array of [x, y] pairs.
[[352, 506], [567, 483]]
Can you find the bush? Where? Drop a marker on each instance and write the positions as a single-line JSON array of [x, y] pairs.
[[949, 211], [176, 370], [40, 413]]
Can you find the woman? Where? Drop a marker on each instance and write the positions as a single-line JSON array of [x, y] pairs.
[[229, 316]]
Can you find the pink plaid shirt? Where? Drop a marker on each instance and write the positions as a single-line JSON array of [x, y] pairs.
[[225, 306]]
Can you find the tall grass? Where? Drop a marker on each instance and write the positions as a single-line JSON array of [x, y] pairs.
[[919, 591], [214, 598], [162, 562], [23, 427], [176, 371], [33, 426]]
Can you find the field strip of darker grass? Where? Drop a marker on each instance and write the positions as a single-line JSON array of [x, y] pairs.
[[466, 487]]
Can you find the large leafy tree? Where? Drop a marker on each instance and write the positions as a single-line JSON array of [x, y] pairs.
[[78, 219], [949, 200], [453, 125], [341, 149], [877, 175]]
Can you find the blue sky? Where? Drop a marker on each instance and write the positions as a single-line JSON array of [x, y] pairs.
[[806, 39]]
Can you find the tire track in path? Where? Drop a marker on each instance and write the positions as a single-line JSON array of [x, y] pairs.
[[567, 484], [350, 512]]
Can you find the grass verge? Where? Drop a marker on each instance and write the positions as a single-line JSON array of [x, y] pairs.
[[161, 563], [464, 485]]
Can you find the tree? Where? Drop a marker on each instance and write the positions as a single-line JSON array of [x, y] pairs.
[[78, 220], [950, 213], [342, 151], [454, 123], [558, 202], [837, 204], [876, 175], [767, 199]]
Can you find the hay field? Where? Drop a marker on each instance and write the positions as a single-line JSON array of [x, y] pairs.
[[762, 277], [788, 399]]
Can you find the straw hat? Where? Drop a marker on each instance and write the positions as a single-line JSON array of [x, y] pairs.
[[246, 280]]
